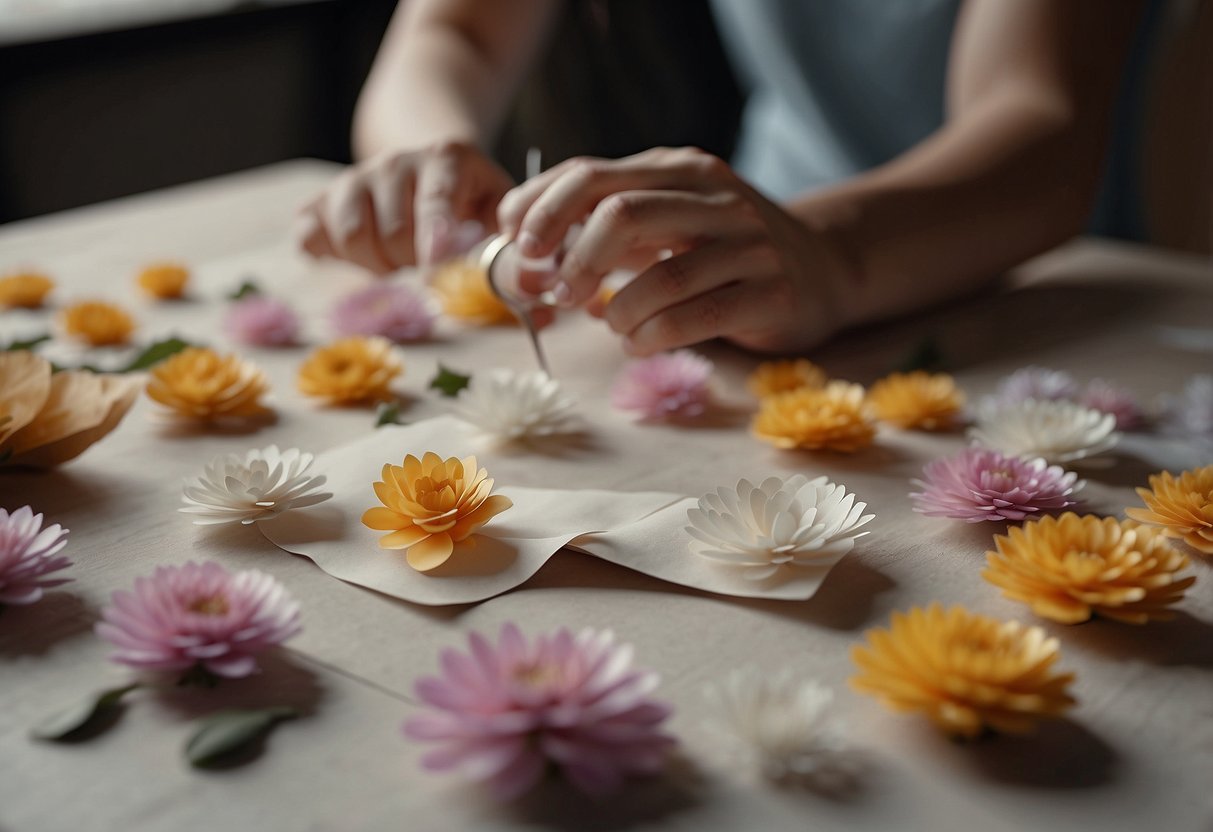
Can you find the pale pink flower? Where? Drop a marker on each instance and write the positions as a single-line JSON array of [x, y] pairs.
[[262, 321], [502, 713], [982, 484], [28, 552], [199, 614], [389, 310], [668, 385], [1038, 383], [1120, 402]]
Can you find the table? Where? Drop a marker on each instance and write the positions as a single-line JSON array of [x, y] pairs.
[[1137, 753]]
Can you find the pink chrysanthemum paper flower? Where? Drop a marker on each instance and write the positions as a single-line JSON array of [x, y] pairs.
[[982, 484], [1038, 383], [1120, 402], [262, 322], [669, 385], [391, 311], [180, 617], [502, 713], [29, 552]]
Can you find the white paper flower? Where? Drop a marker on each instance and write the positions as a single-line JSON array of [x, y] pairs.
[[1057, 431], [792, 522], [261, 484], [510, 406]]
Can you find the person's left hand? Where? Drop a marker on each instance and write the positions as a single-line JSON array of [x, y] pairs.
[[714, 257]]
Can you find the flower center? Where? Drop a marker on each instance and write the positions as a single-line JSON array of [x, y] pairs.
[[209, 605], [536, 676]]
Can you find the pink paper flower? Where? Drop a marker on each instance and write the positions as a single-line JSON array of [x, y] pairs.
[[982, 484], [503, 713], [1038, 383], [28, 552], [389, 310], [1108, 398], [199, 614], [668, 385], [262, 321]]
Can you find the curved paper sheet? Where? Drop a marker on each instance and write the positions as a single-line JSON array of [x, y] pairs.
[[82, 409], [25, 383]]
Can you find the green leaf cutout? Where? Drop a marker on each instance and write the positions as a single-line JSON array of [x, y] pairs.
[[28, 343], [88, 713], [247, 288], [388, 413], [155, 353], [448, 382], [926, 355], [226, 734]]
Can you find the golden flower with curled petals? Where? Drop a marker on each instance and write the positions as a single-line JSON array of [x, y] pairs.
[[201, 385], [430, 504], [351, 370], [464, 291], [967, 672], [1069, 568], [97, 323], [771, 377], [831, 418], [920, 400], [164, 281], [1181, 507], [25, 290]]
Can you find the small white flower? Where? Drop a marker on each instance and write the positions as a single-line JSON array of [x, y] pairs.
[[792, 522], [510, 406], [1189, 415], [1057, 431], [261, 484]]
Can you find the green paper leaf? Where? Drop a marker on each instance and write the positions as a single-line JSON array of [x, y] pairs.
[[88, 713], [226, 734], [156, 353], [247, 288], [28, 343], [388, 413], [926, 355], [448, 382]]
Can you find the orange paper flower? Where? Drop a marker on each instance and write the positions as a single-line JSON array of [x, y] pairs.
[[430, 504], [25, 290], [350, 371], [917, 400], [1182, 507], [164, 281], [97, 323], [199, 384], [831, 418], [967, 672], [463, 288], [773, 377], [1069, 568]]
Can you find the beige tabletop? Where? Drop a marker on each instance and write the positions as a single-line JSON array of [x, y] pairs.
[[1137, 753]]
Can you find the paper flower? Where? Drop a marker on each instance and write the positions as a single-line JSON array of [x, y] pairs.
[[777, 524], [967, 672], [831, 418], [430, 504], [24, 290], [1190, 414], [199, 614], [164, 281], [772, 377], [917, 400], [97, 324], [351, 371], [1039, 383], [502, 714], [262, 321], [510, 406], [1108, 398], [1181, 507], [28, 553], [982, 484], [201, 385], [1069, 568], [257, 485], [392, 311], [1056, 431], [463, 289], [665, 386]]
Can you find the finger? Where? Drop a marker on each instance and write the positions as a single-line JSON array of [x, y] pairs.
[[310, 235], [352, 214], [443, 197], [392, 196], [735, 306]]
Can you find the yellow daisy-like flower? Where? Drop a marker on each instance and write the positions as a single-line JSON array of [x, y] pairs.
[[771, 377], [917, 400], [200, 385], [831, 418], [463, 288], [1182, 507], [967, 672], [97, 323], [351, 371], [164, 281], [25, 290], [1069, 568], [430, 504]]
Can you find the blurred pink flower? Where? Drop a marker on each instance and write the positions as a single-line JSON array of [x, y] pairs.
[[199, 614], [1120, 402], [389, 310], [262, 322], [1038, 383], [668, 385], [982, 484], [502, 713], [27, 553]]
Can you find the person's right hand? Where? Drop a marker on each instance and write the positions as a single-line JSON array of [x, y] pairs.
[[403, 208]]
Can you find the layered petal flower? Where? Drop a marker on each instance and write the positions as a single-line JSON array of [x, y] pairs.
[[29, 552], [1056, 431], [25, 290], [509, 406], [983, 484], [262, 321], [351, 371], [832, 418], [664, 386], [1181, 507], [1039, 383], [917, 400], [257, 485], [164, 281], [463, 290], [389, 310], [97, 323], [1108, 398], [199, 384], [1189, 415], [772, 377]]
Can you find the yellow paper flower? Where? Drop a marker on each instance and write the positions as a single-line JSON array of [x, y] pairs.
[[831, 418], [967, 672], [164, 281], [463, 288], [1182, 507], [1069, 568], [97, 323], [201, 385], [430, 504], [25, 290], [771, 377], [350, 371], [917, 400]]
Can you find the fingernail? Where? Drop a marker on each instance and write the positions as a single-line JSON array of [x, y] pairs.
[[562, 294], [528, 243]]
